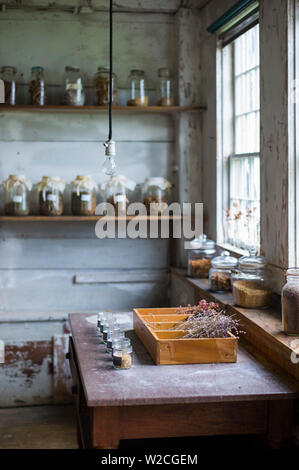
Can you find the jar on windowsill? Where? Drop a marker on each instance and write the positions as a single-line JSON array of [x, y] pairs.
[[249, 282], [117, 191], [220, 272], [290, 303], [37, 87], [101, 86], [138, 90], [84, 195], [200, 256], [50, 190], [16, 195], [156, 193], [8, 75], [166, 97], [74, 94]]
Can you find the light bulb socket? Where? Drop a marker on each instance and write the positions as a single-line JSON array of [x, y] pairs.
[[110, 148]]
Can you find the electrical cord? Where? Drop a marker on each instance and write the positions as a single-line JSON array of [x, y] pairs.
[[111, 69]]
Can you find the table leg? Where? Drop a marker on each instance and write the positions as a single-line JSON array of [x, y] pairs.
[[105, 427], [280, 423]]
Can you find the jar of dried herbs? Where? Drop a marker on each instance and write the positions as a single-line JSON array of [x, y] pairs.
[[50, 190], [16, 194], [166, 97], [84, 195], [290, 303], [156, 193], [8, 75], [249, 283], [37, 87], [220, 272], [74, 94], [118, 191], [138, 90], [122, 356], [199, 257], [101, 86]]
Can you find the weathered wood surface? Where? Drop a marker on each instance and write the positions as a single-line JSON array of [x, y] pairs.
[[146, 384]]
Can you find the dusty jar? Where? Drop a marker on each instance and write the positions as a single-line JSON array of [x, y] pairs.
[[220, 272], [84, 196], [138, 91], [8, 75], [249, 282], [199, 257], [118, 191], [101, 87], [290, 302], [122, 356], [166, 97], [156, 193], [50, 190], [37, 87], [74, 94], [16, 195]]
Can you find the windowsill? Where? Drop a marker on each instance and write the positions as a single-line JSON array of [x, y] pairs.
[[262, 327]]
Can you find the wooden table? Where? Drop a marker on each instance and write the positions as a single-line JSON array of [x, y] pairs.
[[149, 401]]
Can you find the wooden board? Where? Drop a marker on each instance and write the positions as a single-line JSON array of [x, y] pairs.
[[170, 347], [99, 109]]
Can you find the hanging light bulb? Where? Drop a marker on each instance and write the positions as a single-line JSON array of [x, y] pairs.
[[109, 166]]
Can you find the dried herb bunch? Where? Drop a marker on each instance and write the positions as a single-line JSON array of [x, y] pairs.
[[207, 320]]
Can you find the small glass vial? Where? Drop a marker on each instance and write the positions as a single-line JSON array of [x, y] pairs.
[[166, 91], [116, 342], [138, 91], [74, 94], [51, 190], [8, 75], [100, 320], [84, 195], [220, 272], [37, 87], [16, 194], [108, 326], [156, 193], [101, 87], [249, 282], [200, 256], [290, 303], [122, 356], [115, 335]]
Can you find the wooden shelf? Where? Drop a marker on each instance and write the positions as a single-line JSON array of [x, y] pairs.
[[73, 218], [101, 109]]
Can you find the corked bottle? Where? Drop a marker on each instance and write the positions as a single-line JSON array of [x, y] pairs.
[[37, 87], [84, 190], [290, 302], [50, 191]]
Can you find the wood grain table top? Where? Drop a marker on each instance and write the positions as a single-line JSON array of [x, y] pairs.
[[148, 384]]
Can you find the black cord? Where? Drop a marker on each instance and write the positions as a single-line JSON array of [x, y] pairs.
[[111, 70]]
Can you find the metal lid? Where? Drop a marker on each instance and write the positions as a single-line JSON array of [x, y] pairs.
[[137, 72], [224, 261], [8, 67], [37, 67], [202, 243]]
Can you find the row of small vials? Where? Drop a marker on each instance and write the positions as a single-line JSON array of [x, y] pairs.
[[111, 334]]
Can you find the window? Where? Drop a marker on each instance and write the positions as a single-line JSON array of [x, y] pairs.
[[240, 141]]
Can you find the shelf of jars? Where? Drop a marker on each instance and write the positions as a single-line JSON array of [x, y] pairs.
[[101, 109], [90, 218]]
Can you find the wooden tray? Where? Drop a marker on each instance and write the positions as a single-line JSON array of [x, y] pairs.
[[168, 347]]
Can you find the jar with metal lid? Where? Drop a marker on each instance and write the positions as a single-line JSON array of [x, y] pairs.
[[118, 191], [166, 92], [290, 303], [220, 272], [74, 94], [101, 87], [50, 190], [122, 356], [8, 75], [84, 195], [37, 87], [199, 257], [249, 283], [138, 90], [16, 195], [156, 193]]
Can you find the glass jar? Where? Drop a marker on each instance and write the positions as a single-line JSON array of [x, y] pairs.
[[74, 94], [16, 195], [114, 335], [116, 342], [249, 282], [122, 356], [84, 197], [117, 191], [155, 195], [8, 75], [50, 191], [138, 91], [290, 303], [166, 97], [199, 257], [220, 272], [101, 87], [37, 87]]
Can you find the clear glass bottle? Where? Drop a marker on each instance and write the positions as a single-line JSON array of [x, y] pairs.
[[50, 190], [249, 282], [156, 193], [37, 87], [200, 256], [166, 92], [84, 195], [118, 191], [114, 335], [220, 272], [16, 195], [138, 89], [8, 75], [116, 342], [122, 356], [74, 94], [290, 303], [101, 87]]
